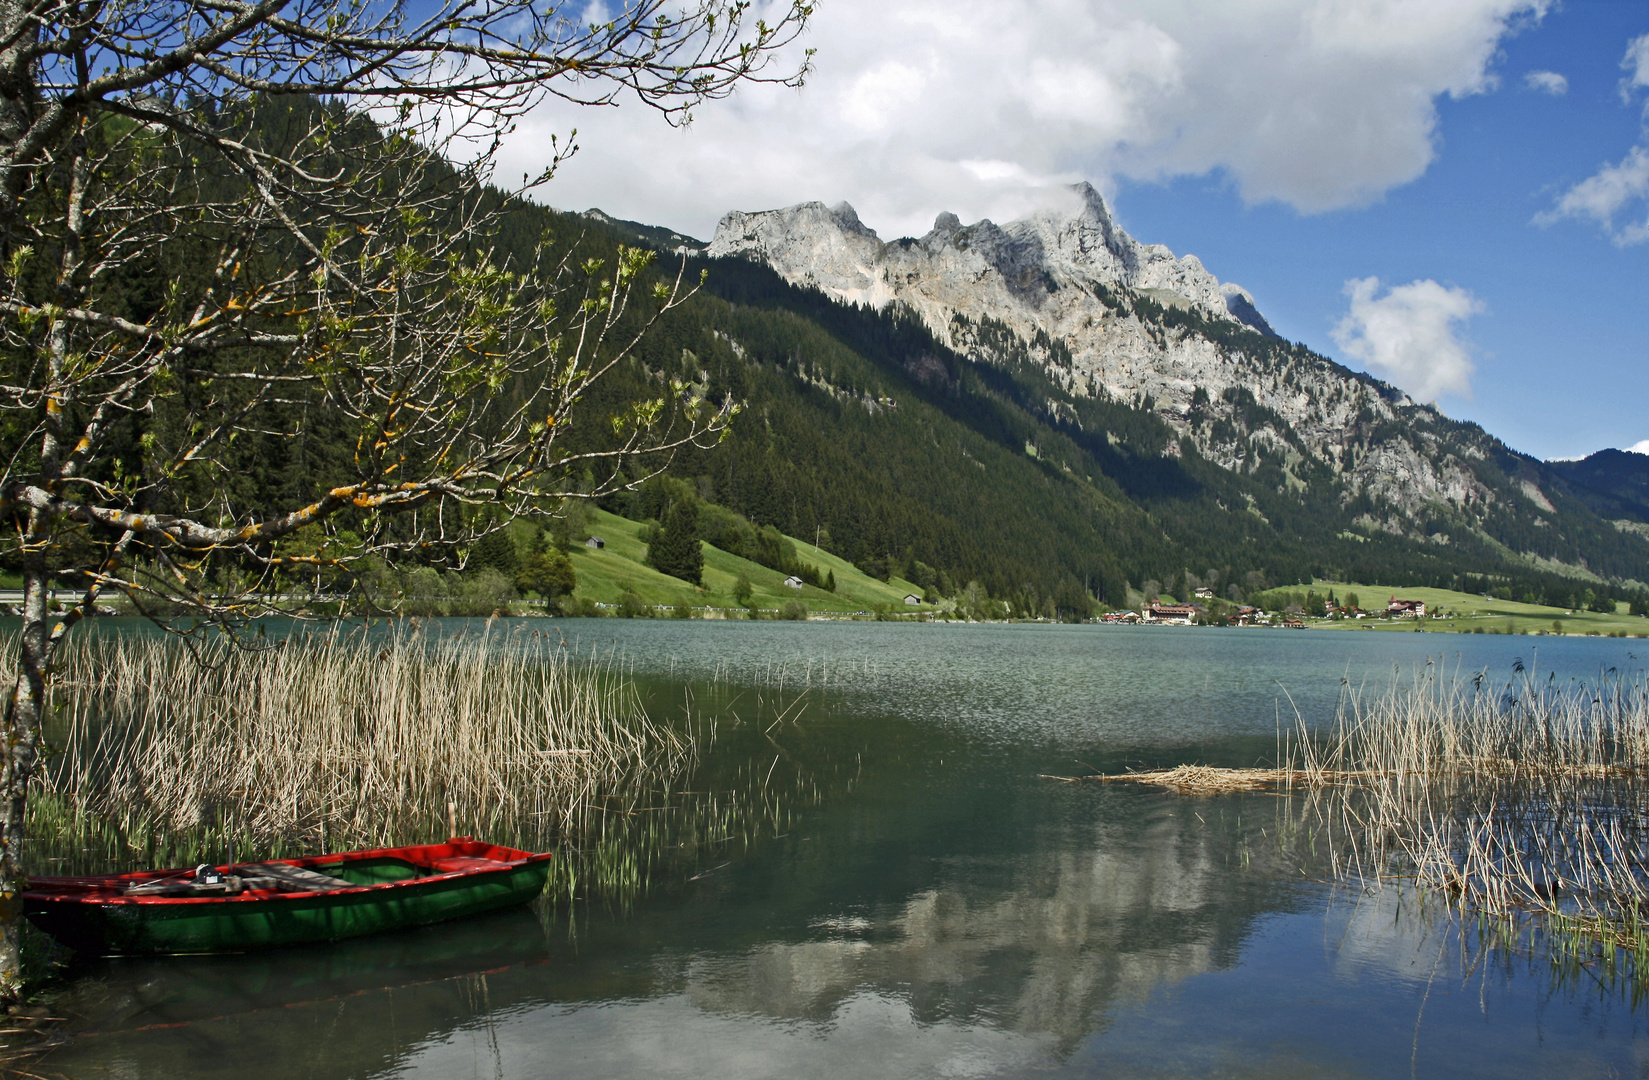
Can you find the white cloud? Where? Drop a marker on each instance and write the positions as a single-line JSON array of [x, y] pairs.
[[1639, 447], [1315, 103], [1621, 189], [1605, 195], [1636, 63], [1410, 336], [1547, 82]]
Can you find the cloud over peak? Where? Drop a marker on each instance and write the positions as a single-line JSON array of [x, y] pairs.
[[1410, 336], [1314, 103]]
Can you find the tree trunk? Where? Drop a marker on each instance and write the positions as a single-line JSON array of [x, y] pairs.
[[22, 730]]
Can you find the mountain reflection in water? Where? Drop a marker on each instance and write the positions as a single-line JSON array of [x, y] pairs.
[[940, 910]]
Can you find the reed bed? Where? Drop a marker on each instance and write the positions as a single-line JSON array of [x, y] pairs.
[[1525, 804], [1528, 798], [332, 740]]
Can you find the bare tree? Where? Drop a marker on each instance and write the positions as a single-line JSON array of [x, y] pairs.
[[218, 218]]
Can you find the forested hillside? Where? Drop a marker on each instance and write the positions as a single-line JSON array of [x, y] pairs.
[[860, 430], [1614, 483], [862, 424]]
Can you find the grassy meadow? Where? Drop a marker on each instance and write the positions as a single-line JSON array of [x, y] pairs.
[[606, 574], [1466, 613]]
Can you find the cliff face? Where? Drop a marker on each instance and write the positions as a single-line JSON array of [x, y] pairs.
[[1105, 315]]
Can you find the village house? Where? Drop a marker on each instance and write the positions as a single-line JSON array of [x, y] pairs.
[[912, 599], [793, 582], [595, 542], [1205, 593], [1406, 609], [1177, 614]]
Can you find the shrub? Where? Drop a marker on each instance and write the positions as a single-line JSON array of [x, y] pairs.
[[794, 610], [482, 593], [548, 573], [579, 608]]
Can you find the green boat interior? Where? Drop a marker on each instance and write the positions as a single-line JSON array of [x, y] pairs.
[[280, 877], [374, 871]]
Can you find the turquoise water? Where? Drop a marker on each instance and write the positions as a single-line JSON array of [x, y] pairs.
[[941, 908]]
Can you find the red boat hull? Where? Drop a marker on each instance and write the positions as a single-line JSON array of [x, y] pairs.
[[380, 890]]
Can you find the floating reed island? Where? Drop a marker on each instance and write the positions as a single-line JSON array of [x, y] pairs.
[[162, 752], [1529, 798]]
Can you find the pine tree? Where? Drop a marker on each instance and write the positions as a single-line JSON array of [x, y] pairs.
[[495, 551], [675, 549]]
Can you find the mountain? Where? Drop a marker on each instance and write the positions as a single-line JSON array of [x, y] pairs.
[[1614, 483], [653, 236], [1103, 319]]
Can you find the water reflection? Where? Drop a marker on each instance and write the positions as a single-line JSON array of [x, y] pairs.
[[851, 949], [354, 1009], [1043, 938]]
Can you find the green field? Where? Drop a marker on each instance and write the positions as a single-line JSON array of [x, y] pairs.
[[606, 574], [1467, 613]]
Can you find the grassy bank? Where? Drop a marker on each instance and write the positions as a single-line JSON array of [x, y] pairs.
[[157, 757], [1523, 807]]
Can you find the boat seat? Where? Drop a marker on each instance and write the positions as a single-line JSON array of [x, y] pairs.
[[460, 863], [284, 877]]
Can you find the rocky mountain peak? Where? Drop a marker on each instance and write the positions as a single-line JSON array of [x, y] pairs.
[[1072, 243]]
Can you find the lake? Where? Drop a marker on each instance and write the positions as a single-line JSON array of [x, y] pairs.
[[930, 903]]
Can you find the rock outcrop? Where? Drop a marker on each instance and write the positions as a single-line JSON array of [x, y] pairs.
[[1022, 264]]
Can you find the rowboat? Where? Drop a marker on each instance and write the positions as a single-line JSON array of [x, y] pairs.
[[244, 906]]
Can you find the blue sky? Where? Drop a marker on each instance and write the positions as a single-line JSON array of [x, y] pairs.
[[1296, 146], [1562, 340]]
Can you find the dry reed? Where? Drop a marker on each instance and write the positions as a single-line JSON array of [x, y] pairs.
[[1217, 780], [341, 740]]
